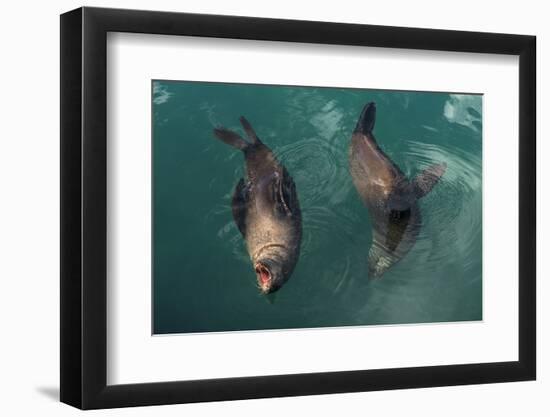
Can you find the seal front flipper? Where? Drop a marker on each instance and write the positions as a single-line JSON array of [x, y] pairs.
[[397, 224], [238, 205], [284, 193], [425, 181]]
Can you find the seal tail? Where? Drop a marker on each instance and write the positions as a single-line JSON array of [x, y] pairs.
[[365, 124], [234, 139]]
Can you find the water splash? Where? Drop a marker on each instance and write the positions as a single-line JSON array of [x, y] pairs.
[[160, 93], [464, 109]]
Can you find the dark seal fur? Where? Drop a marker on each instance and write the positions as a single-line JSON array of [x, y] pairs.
[[391, 198], [266, 210]]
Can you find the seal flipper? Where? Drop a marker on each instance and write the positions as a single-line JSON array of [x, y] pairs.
[[285, 192], [365, 124], [231, 138], [397, 224], [238, 205], [425, 181], [249, 131]]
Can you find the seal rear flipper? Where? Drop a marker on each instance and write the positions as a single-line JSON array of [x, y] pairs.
[[426, 180], [365, 124], [238, 205], [249, 131], [231, 138]]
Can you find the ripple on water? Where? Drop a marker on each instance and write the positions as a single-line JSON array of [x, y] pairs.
[[449, 238], [320, 170], [448, 241], [451, 212]]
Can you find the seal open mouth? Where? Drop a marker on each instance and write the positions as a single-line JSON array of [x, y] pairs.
[[264, 277]]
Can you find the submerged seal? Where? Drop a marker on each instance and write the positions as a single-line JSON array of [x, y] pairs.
[[391, 199], [266, 210]]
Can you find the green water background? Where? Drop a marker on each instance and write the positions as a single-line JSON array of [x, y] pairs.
[[202, 276]]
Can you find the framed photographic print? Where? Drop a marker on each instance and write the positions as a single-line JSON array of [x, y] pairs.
[[259, 207]]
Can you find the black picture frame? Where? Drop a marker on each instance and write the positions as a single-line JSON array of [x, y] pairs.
[[84, 207]]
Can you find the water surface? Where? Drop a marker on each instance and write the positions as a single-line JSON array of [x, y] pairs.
[[203, 280]]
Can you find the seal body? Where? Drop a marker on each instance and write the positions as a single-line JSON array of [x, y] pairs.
[[266, 210], [391, 199]]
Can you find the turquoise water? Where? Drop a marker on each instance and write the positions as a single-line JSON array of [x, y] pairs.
[[203, 279]]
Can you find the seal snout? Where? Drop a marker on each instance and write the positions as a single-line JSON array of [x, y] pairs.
[[375, 272], [264, 277], [378, 263]]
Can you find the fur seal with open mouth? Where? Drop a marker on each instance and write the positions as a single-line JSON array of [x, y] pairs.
[[266, 210], [391, 199]]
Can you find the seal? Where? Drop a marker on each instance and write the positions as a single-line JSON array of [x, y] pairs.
[[391, 198], [266, 210]]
